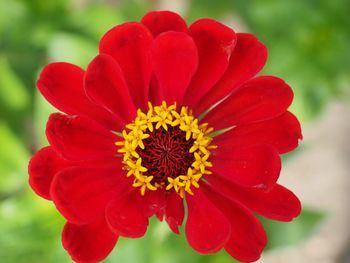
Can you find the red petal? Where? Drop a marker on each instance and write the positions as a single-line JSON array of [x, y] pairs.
[[259, 99], [278, 203], [256, 166], [175, 211], [154, 92], [106, 86], [78, 138], [129, 44], [207, 229], [175, 60], [42, 168], [161, 21], [88, 243], [215, 43], [283, 133], [62, 85], [160, 215], [248, 237], [82, 193], [154, 202], [125, 215], [247, 59]]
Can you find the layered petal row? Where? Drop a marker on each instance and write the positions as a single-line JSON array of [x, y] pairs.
[[207, 72]]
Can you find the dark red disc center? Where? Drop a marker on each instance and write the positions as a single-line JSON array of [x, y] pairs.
[[166, 154]]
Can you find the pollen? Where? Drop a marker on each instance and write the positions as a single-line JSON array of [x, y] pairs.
[[166, 148]]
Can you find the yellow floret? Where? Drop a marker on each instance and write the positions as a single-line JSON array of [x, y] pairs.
[[155, 118]]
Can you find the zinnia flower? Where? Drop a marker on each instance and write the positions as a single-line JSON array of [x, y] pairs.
[[167, 115]]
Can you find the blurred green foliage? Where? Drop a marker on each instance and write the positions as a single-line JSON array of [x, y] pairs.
[[288, 234], [307, 41]]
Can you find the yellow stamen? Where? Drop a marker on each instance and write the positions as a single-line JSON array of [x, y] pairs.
[[201, 162], [145, 183], [135, 168], [161, 117]]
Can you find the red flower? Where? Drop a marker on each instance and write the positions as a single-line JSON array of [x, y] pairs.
[[165, 114]]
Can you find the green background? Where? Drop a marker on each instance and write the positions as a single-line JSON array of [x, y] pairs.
[[308, 44]]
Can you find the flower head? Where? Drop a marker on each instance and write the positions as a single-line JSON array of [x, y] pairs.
[[167, 114]]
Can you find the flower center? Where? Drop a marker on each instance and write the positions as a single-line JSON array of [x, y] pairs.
[[166, 154], [164, 148]]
